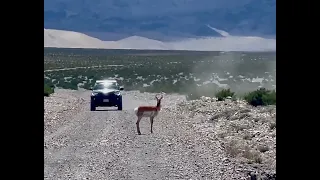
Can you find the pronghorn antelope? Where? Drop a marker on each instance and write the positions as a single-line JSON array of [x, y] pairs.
[[147, 111]]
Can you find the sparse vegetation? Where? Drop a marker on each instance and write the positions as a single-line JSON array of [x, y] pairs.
[[222, 134], [263, 148], [48, 90], [233, 149], [246, 133], [194, 74], [272, 125], [261, 97], [252, 155], [224, 93], [247, 136], [236, 149], [239, 127]]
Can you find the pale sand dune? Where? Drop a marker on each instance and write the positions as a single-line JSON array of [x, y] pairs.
[[137, 42], [69, 39]]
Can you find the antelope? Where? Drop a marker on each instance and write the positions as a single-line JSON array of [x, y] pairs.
[[147, 111]]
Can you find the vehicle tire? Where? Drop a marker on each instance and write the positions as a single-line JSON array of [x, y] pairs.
[[92, 106], [120, 105]]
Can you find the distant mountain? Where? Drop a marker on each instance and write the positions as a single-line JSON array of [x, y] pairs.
[[160, 19], [70, 39]]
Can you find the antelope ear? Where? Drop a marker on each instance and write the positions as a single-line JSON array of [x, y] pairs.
[[162, 93]]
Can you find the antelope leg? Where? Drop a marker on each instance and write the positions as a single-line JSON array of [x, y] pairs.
[[151, 122], [137, 123]]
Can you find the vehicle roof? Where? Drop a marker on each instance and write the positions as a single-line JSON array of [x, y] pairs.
[[106, 81]]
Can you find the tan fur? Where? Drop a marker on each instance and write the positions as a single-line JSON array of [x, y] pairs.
[[147, 111]]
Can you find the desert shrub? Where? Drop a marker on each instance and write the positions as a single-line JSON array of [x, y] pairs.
[[232, 148], [87, 86], [224, 93], [251, 155], [263, 148], [48, 90], [272, 125], [247, 136], [67, 85], [170, 73], [235, 149], [261, 97]]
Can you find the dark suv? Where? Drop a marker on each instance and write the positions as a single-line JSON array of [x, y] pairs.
[[106, 93]]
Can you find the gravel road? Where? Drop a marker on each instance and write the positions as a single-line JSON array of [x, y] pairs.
[[80, 144]]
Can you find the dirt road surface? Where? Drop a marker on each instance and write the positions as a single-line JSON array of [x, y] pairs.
[[80, 144]]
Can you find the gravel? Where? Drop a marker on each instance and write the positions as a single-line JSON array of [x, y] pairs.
[[247, 134], [63, 103], [199, 139]]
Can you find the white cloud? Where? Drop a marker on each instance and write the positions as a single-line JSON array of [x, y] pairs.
[[221, 32]]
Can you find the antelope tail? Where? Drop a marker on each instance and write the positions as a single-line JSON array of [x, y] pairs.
[[136, 111]]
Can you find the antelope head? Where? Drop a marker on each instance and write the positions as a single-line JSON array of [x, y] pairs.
[[159, 98]]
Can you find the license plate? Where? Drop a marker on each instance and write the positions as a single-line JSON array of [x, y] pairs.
[[106, 100]]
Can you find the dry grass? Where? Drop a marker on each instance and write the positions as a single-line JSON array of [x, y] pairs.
[[252, 156], [222, 135], [272, 125], [256, 119], [232, 149], [236, 149], [247, 136], [239, 127], [245, 110], [242, 116], [263, 148]]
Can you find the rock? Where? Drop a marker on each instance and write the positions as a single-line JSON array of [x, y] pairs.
[[225, 160], [228, 97]]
